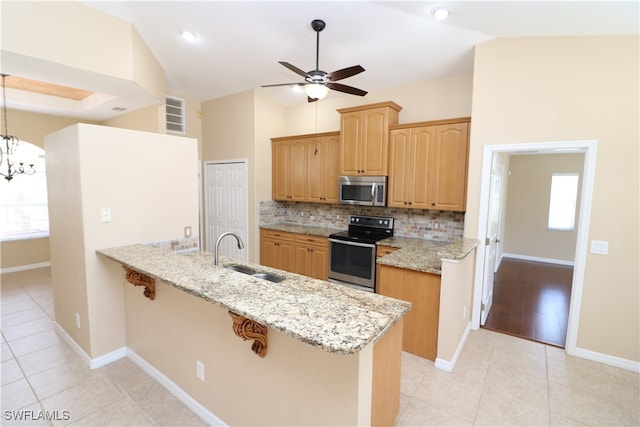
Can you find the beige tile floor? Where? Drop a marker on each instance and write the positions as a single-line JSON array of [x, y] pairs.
[[498, 380]]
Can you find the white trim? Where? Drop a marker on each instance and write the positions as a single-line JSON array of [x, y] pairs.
[[607, 359], [98, 362], [25, 267], [123, 352], [588, 147], [538, 259], [208, 416], [448, 365]]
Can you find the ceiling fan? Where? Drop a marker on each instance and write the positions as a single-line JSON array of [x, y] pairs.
[[317, 82]]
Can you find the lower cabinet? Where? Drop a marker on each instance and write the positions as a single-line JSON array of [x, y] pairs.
[[297, 253], [422, 290], [312, 256], [276, 249]]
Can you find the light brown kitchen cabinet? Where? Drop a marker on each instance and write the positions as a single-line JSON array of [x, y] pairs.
[[289, 171], [297, 253], [323, 168], [312, 256], [305, 168], [422, 290], [364, 138], [277, 249], [449, 167], [428, 165]]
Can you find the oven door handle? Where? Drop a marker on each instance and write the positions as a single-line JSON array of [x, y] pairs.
[[345, 242]]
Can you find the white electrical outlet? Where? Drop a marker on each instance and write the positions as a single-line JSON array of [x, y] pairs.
[[187, 232], [77, 321], [200, 370]]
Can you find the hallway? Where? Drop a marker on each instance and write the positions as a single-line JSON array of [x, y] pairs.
[[531, 300]]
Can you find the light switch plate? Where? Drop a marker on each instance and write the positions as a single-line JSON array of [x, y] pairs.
[[105, 215], [600, 247]]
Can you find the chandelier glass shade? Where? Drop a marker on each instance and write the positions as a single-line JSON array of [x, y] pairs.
[[8, 167]]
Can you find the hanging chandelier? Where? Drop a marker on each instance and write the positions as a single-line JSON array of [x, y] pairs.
[[10, 143]]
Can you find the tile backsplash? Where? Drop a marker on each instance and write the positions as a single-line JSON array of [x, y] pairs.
[[417, 223]]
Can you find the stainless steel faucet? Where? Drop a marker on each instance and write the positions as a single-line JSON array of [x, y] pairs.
[[223, 235]]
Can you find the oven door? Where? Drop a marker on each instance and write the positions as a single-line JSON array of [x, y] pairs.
[[353, 262]]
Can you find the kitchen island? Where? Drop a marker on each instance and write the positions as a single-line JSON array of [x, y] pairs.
[[331, 354]]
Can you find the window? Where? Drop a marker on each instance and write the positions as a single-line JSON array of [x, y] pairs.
[[562, 202], [175, 115], [23, 204]]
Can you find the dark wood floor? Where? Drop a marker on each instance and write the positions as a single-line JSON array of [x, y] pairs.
[[531, 300]]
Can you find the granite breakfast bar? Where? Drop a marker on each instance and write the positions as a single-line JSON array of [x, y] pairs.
[[331, 354]]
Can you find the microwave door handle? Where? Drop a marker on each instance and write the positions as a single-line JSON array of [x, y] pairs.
[[373, 192]]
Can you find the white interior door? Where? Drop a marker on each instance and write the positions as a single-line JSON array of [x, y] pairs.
[[492, 240], [226, 200]]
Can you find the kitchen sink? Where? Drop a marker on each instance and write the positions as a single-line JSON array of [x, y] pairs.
[[254, 273], [267, 276]]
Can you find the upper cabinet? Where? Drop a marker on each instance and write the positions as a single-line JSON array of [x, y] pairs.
[[289, 172], [305, 168], [428, 165], [323, 162], [364, 138]]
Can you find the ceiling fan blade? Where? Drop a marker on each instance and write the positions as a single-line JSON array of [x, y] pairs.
[[285, 84], [294, 69], [344, 73], [346, 89], [309, 99]]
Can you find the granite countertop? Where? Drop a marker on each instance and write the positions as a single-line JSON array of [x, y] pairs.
[[332, 317], [424, 255], [413, 254]]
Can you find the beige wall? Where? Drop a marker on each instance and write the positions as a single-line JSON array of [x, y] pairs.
[[456, 294], [239, 127], [430, 100], [526, 232], [32, 128], [294, 384], [574, 88], [147, 205], [78, 37]]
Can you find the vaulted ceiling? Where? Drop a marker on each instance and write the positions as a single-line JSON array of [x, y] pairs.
[[239, 43]]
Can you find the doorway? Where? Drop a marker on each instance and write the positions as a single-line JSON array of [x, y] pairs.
[[589, 150], [538, 241], [226, 206]]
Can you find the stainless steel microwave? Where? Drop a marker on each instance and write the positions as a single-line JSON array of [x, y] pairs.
[[363, 190]]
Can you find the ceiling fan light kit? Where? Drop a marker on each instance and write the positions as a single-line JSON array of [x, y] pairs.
[[317, 82]]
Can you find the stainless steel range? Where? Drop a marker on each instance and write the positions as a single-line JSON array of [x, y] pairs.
[[352, 253]]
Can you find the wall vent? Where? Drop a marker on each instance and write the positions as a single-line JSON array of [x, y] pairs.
[[175, 115]]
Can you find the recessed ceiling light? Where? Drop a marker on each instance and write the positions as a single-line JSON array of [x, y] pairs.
[[440, 13], [189, 36]]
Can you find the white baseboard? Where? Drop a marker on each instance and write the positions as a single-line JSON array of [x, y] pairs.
[[97, 362], [448, 365], [607, 359], [25, 267], [538, 259], [180, 394], [171, 387]]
